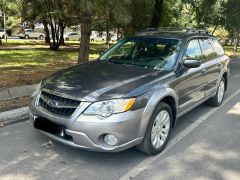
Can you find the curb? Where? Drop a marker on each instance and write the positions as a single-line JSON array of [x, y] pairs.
[[16, 92], [13, 116]]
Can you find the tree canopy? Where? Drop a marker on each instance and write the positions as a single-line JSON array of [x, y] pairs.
[[127, 16]]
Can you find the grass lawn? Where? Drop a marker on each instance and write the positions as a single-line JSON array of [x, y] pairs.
[[25, 62], [229, 51], [33, 63]]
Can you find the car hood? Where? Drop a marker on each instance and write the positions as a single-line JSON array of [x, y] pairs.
[[93, 81]]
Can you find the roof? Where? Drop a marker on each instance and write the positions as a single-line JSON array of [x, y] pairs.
[[174, 33]]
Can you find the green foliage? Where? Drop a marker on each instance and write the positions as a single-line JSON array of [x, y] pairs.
[[204, 13], [11, 9], [232, 14]]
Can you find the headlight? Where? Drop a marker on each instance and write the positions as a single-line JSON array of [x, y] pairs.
[[109, 107]]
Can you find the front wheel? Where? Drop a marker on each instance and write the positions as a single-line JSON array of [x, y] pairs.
[[218, 98], [158, 130]]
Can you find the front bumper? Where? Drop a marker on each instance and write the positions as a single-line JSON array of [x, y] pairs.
[[87, 132]]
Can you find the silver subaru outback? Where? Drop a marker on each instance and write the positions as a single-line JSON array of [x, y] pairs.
[[134, 93]]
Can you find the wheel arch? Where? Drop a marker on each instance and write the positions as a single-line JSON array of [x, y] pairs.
[[167, 96]]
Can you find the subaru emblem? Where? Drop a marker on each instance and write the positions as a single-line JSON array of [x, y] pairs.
[[53, 104]]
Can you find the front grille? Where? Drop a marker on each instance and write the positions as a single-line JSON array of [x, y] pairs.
[[57, 105]]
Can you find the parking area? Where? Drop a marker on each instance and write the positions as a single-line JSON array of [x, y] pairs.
[[204, 145]]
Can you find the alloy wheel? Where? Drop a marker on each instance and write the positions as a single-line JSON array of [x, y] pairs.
[[160, 129], [221, 90]]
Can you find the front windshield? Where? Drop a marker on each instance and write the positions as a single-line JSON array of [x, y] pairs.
[[156, 53]]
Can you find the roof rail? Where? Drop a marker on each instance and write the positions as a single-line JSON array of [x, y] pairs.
[[172, 29]]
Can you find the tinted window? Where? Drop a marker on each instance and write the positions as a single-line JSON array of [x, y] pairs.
[[207, 50], [217, 47], [154, 53], [193, 50]]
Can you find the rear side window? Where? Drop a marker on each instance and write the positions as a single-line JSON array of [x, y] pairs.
[[217, 47], [207, 50], [193, 50]]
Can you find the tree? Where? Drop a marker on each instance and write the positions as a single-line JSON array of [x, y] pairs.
[[83, 10], [53, 14], [232, 23], [10, 9], [205, 13], [111, 14], [102, 14], [157, 14]]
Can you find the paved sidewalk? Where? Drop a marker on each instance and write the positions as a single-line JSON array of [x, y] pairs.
[[13, 116]]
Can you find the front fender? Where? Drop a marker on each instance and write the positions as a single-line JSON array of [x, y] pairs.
[[157, 96]]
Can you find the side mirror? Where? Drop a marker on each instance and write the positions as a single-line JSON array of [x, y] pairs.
[[192, 63]]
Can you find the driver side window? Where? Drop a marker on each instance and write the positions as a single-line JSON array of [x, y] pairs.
[[193, 50]]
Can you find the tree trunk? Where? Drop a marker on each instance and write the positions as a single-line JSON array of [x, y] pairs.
[[46, 30], [157, 14], [215, 28], [107, 34], [235, 48], [85, 39], [62, 27], [54, 45], [226, 42]]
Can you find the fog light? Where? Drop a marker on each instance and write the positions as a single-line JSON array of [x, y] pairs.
[[110, 139]]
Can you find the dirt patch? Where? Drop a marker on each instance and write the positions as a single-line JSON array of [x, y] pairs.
[[10, 104]]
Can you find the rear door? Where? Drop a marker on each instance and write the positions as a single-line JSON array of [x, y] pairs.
[[212, 66], [191, 83]]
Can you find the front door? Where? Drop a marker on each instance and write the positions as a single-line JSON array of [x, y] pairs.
[[191, 83]]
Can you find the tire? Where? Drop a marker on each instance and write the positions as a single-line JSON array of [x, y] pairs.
[[67, 39], [92, 40], [217, 100], [147, 146], [26, 37], [41, 37]]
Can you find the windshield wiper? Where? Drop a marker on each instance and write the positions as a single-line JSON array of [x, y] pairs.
[[115, 61], [141, 65], [127, 64]]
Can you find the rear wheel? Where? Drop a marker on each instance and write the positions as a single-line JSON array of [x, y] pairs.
[[26, 36], [218, 98], [158, 130], [67, 39]]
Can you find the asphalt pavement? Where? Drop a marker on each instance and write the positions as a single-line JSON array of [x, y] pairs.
[[204, 145]]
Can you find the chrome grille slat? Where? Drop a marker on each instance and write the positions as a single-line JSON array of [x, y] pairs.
[[64, 106]]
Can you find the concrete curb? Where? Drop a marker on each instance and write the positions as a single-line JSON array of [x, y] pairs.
[[13, 116], [16, 92]]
